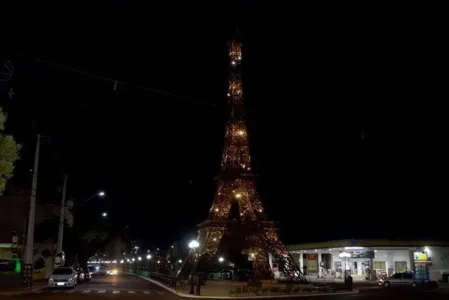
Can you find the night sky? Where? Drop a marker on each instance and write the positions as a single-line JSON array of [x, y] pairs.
[[334, 130]]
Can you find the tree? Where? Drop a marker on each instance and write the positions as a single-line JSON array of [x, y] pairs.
[[9, 153], [95, 236]]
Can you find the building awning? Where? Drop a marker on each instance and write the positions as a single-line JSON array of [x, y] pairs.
[[366, 243]]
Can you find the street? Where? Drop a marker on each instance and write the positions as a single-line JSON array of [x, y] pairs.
[[120, 286], [380, 293], [130, 286]]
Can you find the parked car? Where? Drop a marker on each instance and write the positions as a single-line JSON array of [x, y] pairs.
[[406, 279], [81, 275], [101, 270], [91, 270], [63, 277], [87, 274]]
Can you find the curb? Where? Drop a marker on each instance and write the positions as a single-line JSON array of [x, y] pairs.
[[23, 292], [242, 297]]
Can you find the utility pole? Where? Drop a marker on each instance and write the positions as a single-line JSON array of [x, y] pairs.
[[59, 259], [30, 234]]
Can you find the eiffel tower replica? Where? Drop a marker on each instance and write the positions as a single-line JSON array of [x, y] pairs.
[[256, 236]]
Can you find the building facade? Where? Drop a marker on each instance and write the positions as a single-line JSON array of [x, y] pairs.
[[115, 249], [372, 258]]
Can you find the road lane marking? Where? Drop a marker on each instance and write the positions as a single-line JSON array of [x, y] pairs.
[[86, 291], [131, 292], [38, 292], [102, 291], [56, 291], [116, 292], [146, 292], [71, 291]]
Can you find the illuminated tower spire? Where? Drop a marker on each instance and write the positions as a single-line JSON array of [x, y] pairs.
[[257, 237]]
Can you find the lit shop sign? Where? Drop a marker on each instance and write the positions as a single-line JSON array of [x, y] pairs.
[[420, 256]]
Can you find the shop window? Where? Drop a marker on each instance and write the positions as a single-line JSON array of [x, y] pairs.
[[400, 266], [312, 263], [326, 259], [379, 265]]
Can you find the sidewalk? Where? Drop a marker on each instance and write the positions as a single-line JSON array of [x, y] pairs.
[[220, 290], [356, 280], [37, 286], [443, 285]]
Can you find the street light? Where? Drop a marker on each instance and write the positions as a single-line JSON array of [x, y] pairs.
[[221, 259], [105, 214], [194, 244], [99, 194], [148, 256], [345, 257], [139, 258]]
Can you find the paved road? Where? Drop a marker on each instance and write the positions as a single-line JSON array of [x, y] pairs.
[[394, 294], [129, 286], [103, 287]]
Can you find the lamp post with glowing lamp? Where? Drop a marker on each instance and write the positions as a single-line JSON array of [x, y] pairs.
[[345, 257], [193, 245]]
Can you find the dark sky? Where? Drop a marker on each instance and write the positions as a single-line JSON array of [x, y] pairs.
[[317, 74]]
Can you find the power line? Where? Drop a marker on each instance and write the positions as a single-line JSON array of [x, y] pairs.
[[114, 82]]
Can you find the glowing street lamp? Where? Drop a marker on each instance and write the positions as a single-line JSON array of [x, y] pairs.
[[101, 193], [221, 259], [148, 256], [194, 244], [105, 214], [139, 258]]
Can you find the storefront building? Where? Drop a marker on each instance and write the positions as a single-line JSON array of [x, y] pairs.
[[368, 259]]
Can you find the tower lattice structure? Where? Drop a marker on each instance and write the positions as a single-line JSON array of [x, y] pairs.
[[257, 237]]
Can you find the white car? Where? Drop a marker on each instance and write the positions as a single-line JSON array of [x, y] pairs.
[[406, 279], [62, 277]]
